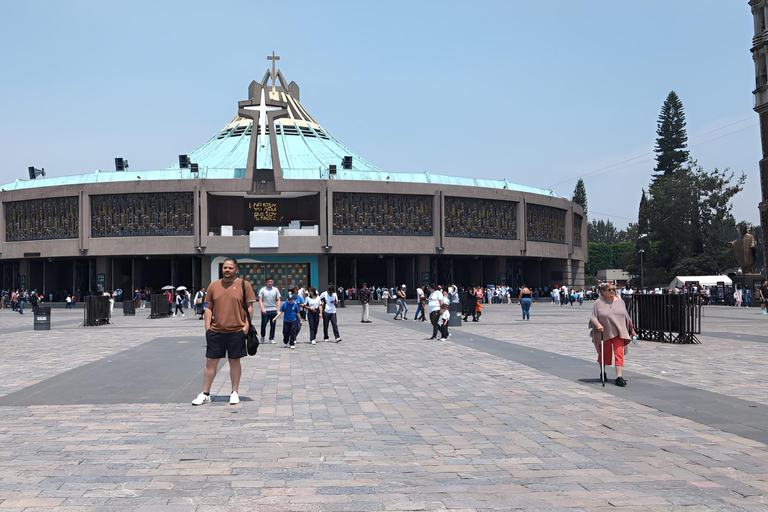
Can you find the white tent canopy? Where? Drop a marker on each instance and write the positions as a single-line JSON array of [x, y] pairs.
[[680, 281]]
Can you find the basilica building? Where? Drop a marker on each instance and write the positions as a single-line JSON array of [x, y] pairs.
[[277, 191]]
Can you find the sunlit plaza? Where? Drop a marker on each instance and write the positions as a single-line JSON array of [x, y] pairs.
[[507, 415]]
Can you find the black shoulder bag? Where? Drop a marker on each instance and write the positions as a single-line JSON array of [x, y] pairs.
[[251, 339]]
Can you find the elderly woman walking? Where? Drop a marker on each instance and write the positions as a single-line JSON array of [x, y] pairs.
[[611, 323]]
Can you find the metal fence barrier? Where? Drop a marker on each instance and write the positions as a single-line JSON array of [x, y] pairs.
[[96, 310], [667, 318], [129, 308], [159, 306]]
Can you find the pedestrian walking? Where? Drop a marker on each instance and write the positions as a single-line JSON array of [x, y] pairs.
[[328, 302], [364, 295], [269, 302], [226, 326], [434, 301], [421, 313], [290, 309], [402, 308], [526, 299], [312, 307], [299, 302], [420, 303], [611, 327], [199, 301], [445, 317], [180, 297]]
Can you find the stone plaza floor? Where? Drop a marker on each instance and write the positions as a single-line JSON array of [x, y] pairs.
[[506, 415]]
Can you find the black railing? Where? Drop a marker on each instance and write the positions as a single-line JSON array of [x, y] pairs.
[[159, 306], [667, 318], [96, 310]]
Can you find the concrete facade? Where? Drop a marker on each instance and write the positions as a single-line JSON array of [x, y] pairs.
[[491, 260]]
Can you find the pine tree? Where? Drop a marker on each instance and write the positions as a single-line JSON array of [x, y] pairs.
[[580, 195], [671, 143], [642, 216]]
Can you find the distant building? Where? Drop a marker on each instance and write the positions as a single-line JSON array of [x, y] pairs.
[[277, 191], [760, 56], [615, 275]]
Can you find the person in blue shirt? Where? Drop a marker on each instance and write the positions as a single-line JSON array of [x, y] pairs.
[[299, 302], [290, 310]]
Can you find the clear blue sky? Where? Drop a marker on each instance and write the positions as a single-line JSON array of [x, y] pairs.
[[539, 93]]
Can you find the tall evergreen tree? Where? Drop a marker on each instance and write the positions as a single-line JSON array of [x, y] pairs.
[[643, 225], [671, 143], [580, 195]]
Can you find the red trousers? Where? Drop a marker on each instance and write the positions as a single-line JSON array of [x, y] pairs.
[[610, 347]]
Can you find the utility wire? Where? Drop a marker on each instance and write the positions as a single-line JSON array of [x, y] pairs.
[[651, 152], [692, 146]]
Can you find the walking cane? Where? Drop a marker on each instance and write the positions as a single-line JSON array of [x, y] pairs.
[[602, 359]]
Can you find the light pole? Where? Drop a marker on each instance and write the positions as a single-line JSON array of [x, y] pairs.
[[642, 286]]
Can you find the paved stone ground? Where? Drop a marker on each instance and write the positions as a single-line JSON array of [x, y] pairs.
[[384, 420]]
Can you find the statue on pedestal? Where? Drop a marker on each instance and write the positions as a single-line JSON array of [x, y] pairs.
[[744, 248]]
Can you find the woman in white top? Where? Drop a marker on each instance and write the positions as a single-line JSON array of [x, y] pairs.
[[433, 307], [328, 308], [312, 306]]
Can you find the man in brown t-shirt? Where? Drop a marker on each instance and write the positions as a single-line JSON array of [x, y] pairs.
[[225, 328]]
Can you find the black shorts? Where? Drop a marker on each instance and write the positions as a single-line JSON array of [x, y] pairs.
[[222, 344]]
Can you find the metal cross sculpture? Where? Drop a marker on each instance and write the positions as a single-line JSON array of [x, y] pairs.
[[273, 58]]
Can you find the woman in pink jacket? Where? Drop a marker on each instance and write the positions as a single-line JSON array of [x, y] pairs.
[[611, 322]]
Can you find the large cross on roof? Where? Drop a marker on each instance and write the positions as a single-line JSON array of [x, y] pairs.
[[273, 58]]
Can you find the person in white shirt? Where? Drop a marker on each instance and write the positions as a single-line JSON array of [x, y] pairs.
[[328, 301], [419, 295], [269, 302], [433, 307], [626, 296], [312, 307], [443, 320]]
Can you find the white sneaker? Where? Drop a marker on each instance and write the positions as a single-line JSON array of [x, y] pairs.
[[183, 314], [285, 345], [293, 346], [313, 342], [272, 341], [201, 399], [338, 340], [234, 398], [325, 340]]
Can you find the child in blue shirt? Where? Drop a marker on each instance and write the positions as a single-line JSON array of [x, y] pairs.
[[290, 310]]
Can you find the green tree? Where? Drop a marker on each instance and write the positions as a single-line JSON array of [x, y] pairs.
[[580, 195], [671, 143], [689, 212], [642, 216], [601, 231]]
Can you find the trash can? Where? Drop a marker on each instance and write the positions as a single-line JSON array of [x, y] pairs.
[[455, 310], [129, 308], [42, 316], [391, 306]]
